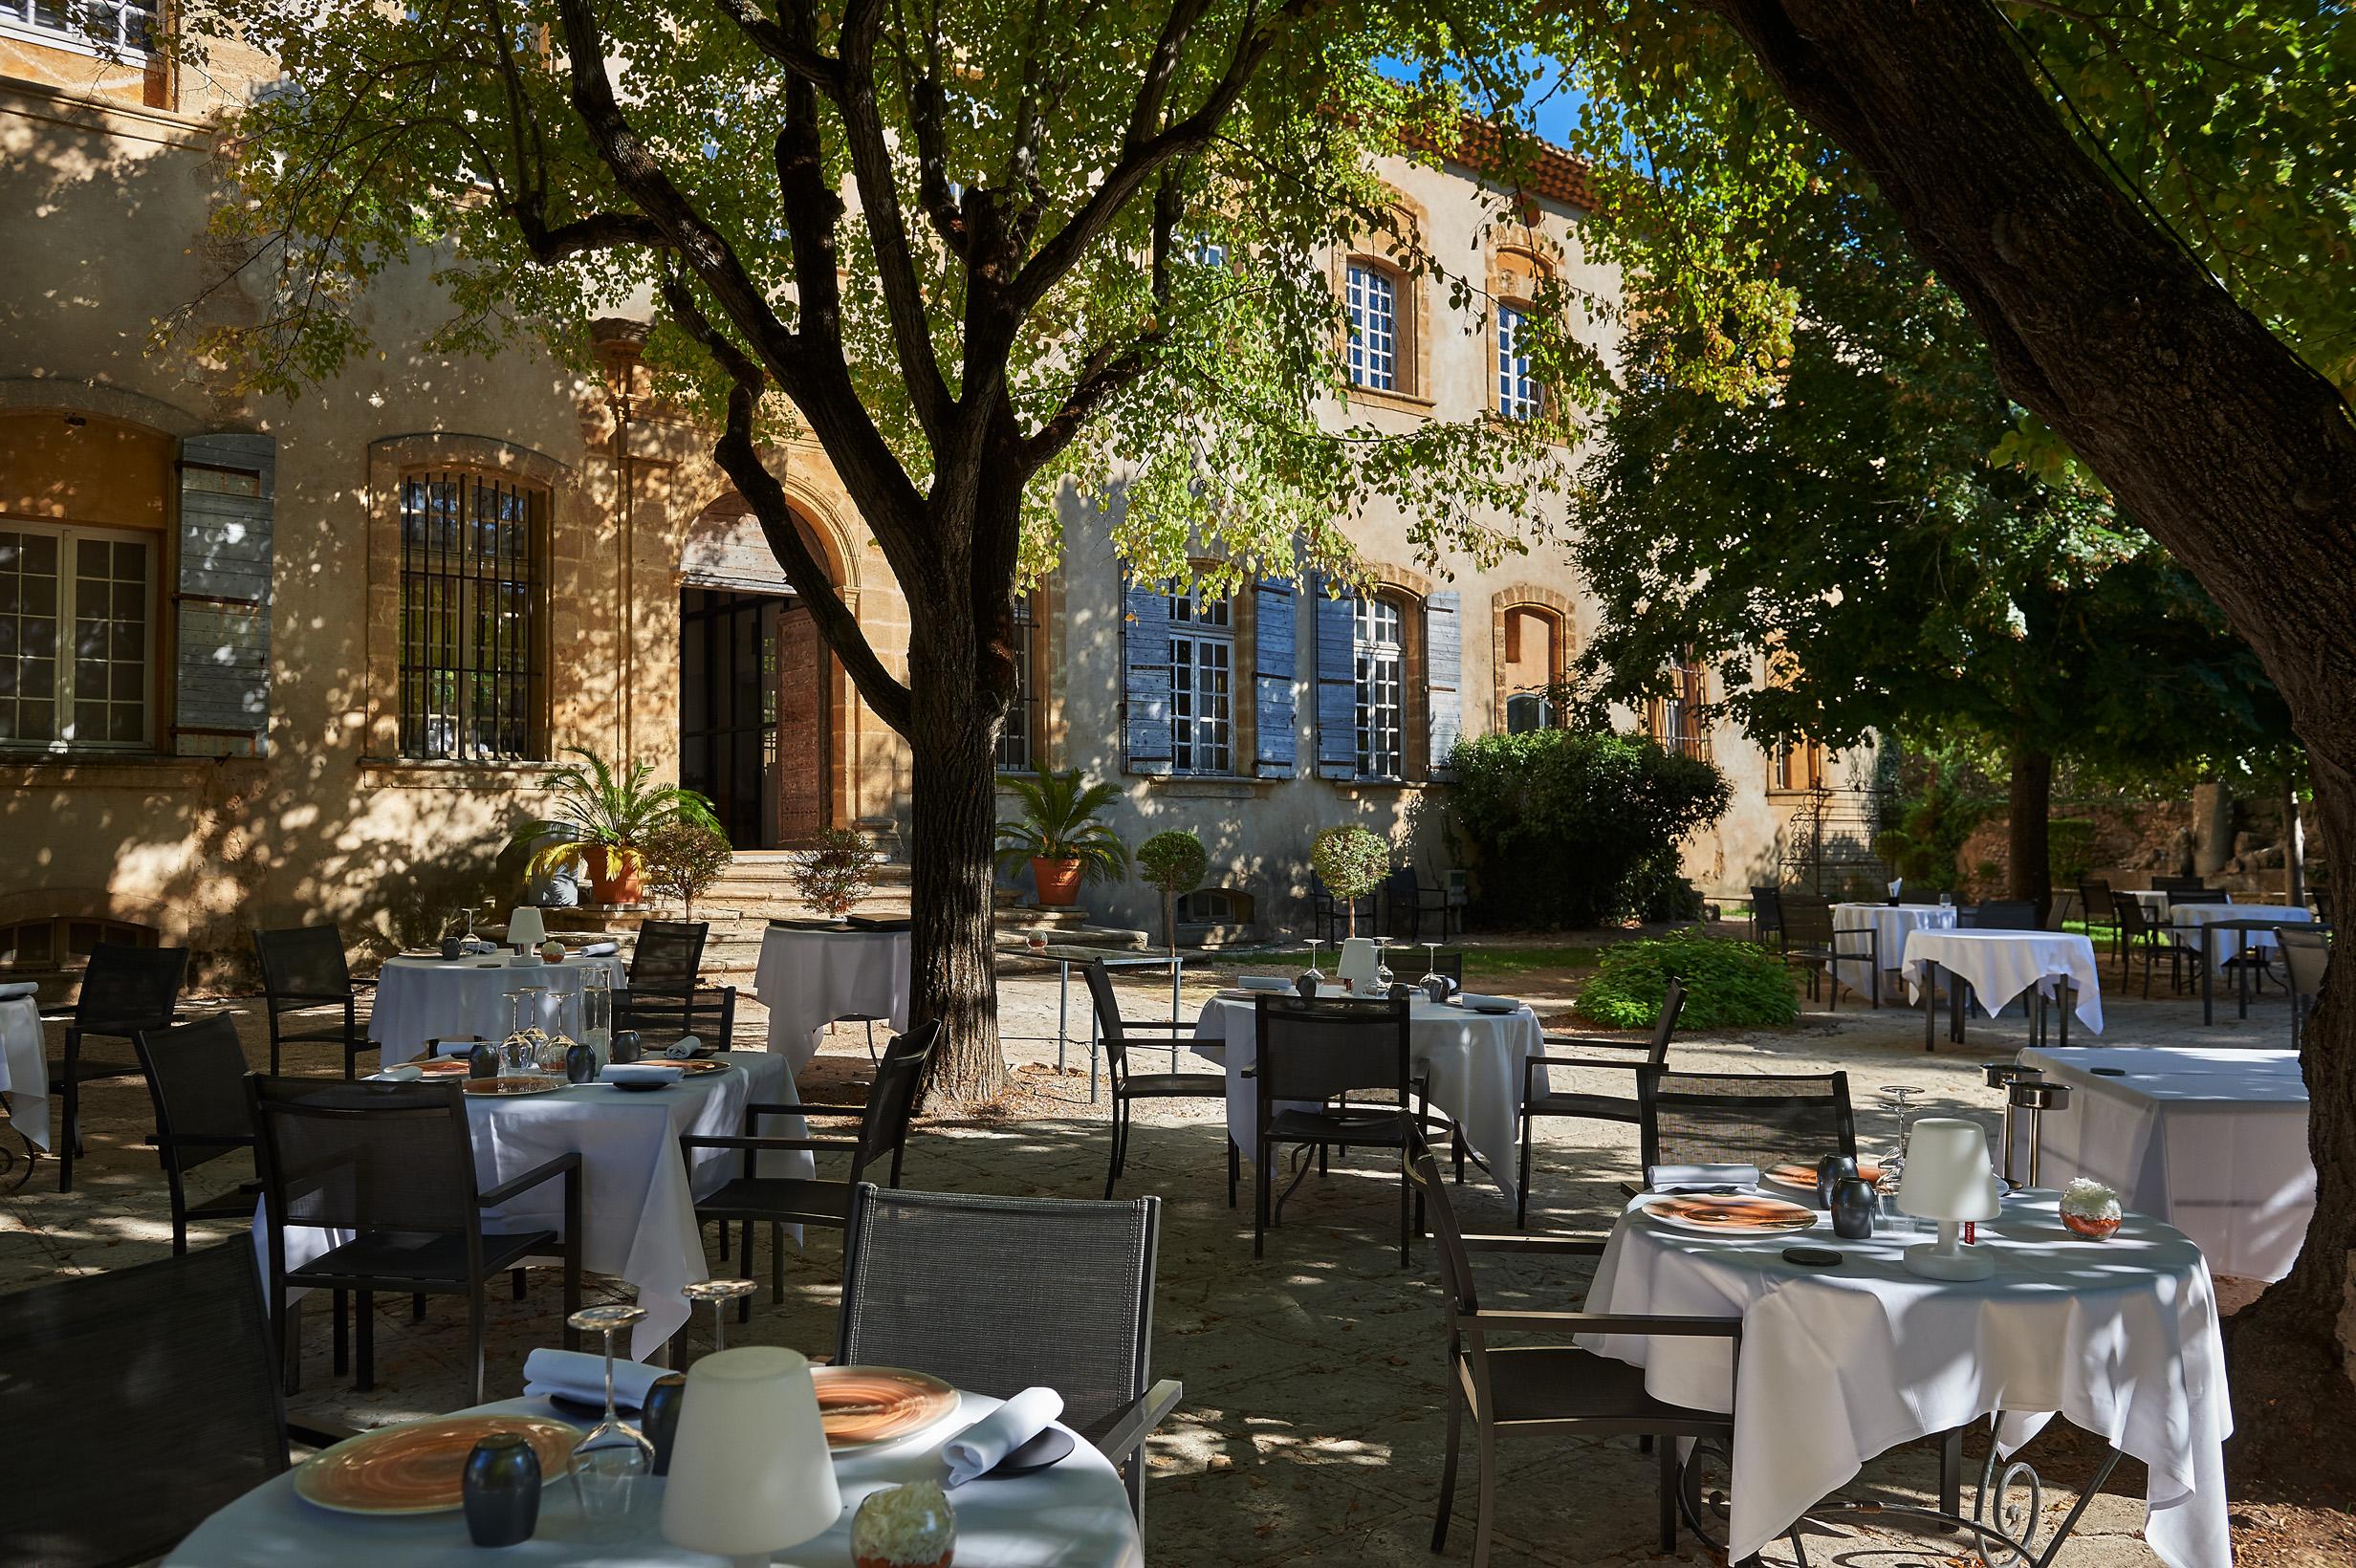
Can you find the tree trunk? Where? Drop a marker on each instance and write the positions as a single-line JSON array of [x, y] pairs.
[[2213, 434], [2030, 875], [953, 784]]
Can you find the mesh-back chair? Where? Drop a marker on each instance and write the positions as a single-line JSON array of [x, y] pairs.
[[999, 1295], [1767, 915], [1999, 915], [1622, 1108], [1407, 899], [1547, 1389], [1129, 1087], [1812, 941], [2176, 887], [1312, 1056], [304, 968], [665, 990], [2100, 909], [2305, 953], [196, 1076], [750, 1198], [2139, 932], [1753, 1119], [2199, 895], [1330, 917], [152, 1394], [393, 1165], [124, 990]]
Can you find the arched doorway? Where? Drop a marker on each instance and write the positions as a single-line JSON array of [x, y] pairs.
[[754, 681]]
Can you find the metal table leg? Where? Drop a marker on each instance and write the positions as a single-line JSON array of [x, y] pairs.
[[1931, 1006], [2208, 983], [1063, 991]]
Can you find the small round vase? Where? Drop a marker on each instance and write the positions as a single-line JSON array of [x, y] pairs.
[[2094, 1228]]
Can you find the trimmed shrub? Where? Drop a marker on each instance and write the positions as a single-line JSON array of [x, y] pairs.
[[1728, 985], [1576, 828]]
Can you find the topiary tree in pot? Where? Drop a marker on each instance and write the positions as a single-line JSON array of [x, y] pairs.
[[836, 871], [683, 860], [1351, 861], [1174, 861]]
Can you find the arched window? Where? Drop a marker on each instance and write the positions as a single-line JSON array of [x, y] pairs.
[[474, 616]]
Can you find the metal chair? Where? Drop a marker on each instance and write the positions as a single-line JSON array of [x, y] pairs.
[[1767, 915], [1548, 1389], [1330, 917], [1743, 1118], [196, 1077], [1127, 1087], [2138, 933], [1810, 939], [1313, 1054], [750, 1198], [1999, 915], [125, 989], [2099, 910], [1406, 894], [302, 968], [2307, 953], [393, 1163], [664, 987], [2180, 888], [999, 1295], [152, 1395], [1590, 1107]]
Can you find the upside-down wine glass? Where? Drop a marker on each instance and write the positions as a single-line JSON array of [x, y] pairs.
[[719, 1293], [615, 1462], [1898, 1099], [1432, 959], [1317, 977]]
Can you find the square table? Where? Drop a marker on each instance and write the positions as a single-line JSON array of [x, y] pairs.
[[2221, 931], [421, 999], [23, 1069], [809, 976], [1892, 925], [2000, 966]]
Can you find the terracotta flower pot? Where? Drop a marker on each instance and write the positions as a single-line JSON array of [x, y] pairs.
[[615, 877], [1058, 882]]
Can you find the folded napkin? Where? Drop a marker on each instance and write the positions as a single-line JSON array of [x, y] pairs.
[[682, 1047], [1263, 982], [1476, 1000], [579, 1375], [642, 1072], [10, 990], [1664, 1178], [455, 1048], [597, 949], [977, 1449], [403, 1074]]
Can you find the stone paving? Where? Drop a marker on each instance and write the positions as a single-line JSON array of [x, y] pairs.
[[1313, 1417]]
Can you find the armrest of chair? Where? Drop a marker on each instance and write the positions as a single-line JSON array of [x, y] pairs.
[[563, 1164], [1134, 1425], [1187, 1024], [1582, 1061], [1596, 1042], [201, 1140], [1564, 1246], [702, 1140], [779, 1108]]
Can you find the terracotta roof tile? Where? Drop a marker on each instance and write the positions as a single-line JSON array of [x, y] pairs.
[[1541, 168]]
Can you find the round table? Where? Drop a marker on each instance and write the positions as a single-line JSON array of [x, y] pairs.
[[421, 999], [1075, 1514], [1842, 1363], [810, 976], [1891, 924]]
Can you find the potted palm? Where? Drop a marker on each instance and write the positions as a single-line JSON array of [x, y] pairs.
[[607, 819], [1059, 835]]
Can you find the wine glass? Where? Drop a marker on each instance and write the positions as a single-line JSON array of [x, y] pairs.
[[615, 1462], [1898, 1099], [1317, 975], [719, 1293], [1432, 959], [1383, 977]]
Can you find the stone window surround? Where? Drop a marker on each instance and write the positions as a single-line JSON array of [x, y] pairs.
[[1518, 266], [1412, 330], [1408, 589], [1243, 692], [1524, 595]]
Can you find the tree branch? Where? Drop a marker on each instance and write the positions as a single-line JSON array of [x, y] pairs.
[[1108, 370]]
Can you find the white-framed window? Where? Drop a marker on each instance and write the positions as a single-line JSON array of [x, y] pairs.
[[77, 609], [1202, 694], [1518, 391], [125, 27], [1015, 741], [1528, 710], [1379, 644], [1373, 299]]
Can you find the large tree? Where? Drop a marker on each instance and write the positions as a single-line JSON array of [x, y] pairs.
[[985, 254], [1862, 523]]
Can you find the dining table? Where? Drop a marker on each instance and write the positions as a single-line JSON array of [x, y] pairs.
[[809, 976], [1843, 1361], [2000, 967], [2212, 1140], [638, 1191], [1074, 1513], [2223, 933], [24, 1063], [419, 1000], [1473, 1061], [1890, 923]]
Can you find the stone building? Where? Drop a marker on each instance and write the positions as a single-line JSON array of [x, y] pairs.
[[268, 662]]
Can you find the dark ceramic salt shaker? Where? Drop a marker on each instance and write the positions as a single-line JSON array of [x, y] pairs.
[[580, 1063], [1852, 1208], [1306, 987], [452, 948], [625, 1046], [483, 1061], [501, 1486], [659, 1417], [1829, 1172]]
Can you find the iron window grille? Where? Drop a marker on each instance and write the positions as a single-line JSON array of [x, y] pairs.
[[1379, 632], [1373, 299], [1202, 662], [474, 605], [1014, 739]]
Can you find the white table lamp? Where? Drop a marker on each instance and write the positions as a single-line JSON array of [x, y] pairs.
[[1947, 1179], [525, 927], [749, 1473]]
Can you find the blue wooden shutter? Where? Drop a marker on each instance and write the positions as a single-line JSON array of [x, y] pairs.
[[1443, 674], [1337, 685], [1145, 677], [1276, 747], [227, 497]]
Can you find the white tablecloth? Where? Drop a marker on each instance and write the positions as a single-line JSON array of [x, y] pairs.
[[1474, 1060], [1840, 1365], [24, 1068], [2213, 1140], [2002, 965], [808, 979], [1074, 1515], [1892, 925], [2225, 945], [637, 1197], [421, 999]]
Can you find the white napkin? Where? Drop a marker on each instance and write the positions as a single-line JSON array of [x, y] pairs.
[[10, 990], [977, 1449], [641, 1072], [1263, 982], [455, 1048], [685, 1046], [403, 1074], [1476, 1000], [597, 949], [1660, 1178], [581, 1375]]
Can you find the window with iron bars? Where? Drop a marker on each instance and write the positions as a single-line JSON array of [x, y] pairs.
[[1014, 740], [1202, 703], [1379, 635], [474, 602]]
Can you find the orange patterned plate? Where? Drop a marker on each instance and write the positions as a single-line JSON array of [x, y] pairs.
[[444, 1067], [1803, 1177], [1738, 1215], [863, 1405], [520, 1083], [692, 1068], [417, 1467]]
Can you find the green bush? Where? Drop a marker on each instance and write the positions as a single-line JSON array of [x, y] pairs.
[[1576, 828], [2069, 849], [1728, 985]]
